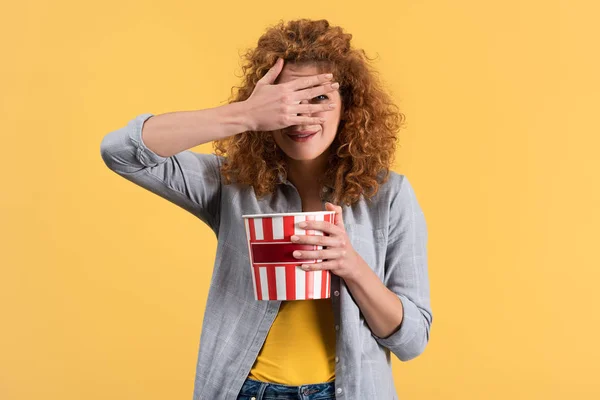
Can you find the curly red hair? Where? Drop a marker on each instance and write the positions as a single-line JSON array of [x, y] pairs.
[[365, 144]]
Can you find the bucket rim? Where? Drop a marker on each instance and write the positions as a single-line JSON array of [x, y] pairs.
[[288, 214]]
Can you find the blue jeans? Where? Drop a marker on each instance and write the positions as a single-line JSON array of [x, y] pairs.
[[271, 391]]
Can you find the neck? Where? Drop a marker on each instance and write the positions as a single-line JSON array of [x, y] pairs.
[[303, 174]]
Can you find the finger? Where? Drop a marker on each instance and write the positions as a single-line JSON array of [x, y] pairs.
[[327, 254], [308, 81], [310, 108], [319, 266], [272, 73], [338, 213], [311, 93], [327, 241], [297, 120], [324, 226]]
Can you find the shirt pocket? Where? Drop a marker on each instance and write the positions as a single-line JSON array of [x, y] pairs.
[[369, 243]]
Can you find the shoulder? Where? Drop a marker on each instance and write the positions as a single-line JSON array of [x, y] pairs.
[[210, 161], [396, 185], [219, 159], [397, 195], [390, 199]]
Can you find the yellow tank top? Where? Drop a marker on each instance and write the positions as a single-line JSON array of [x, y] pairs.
[[300, 346]]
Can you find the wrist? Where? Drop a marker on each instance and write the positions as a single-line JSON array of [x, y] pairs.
[[243, 110], [359, 272]]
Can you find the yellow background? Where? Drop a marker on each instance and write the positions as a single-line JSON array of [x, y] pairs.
[[103, 284]]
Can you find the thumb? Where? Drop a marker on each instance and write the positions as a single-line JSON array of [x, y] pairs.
[[338, 213], [272, 73]]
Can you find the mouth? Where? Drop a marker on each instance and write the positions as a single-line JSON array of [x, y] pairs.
[[301, 136]]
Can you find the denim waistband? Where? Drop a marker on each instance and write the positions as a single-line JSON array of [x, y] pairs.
[[316, 391]]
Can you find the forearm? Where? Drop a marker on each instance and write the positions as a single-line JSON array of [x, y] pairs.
[[380, 306], [170, 133]]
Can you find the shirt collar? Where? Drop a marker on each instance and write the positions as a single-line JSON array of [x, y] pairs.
[[281, 179]]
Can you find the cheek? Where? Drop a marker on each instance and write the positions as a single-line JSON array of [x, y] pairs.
[[333, 116], [332, 119], [276, 135]]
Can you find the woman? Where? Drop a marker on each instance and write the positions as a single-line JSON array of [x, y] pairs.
[[296, 139]]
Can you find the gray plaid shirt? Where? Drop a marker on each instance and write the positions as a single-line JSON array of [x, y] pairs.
[[390, 234]]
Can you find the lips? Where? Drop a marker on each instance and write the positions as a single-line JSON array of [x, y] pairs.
[[302, 136], [302, 133]]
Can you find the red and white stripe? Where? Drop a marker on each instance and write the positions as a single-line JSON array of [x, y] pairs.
[[279, 278]]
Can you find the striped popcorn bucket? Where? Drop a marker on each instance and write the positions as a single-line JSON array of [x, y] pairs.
[[276, 273]]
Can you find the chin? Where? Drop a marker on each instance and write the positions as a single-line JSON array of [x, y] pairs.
[[301, 157]]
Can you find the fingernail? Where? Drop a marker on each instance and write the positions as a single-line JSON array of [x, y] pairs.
[[335, 85], [302, 224], [294, 238], [297, 254], [304, 266], [329, 76]]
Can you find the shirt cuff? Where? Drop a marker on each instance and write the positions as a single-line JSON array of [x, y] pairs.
[[146, 157], [408, 328]]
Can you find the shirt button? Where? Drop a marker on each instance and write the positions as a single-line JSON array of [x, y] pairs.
[[337, 359], [337, 327], [339, 390], [336, 293]]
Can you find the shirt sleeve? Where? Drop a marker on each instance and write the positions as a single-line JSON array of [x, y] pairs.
[[188, 179], [406, 274]]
